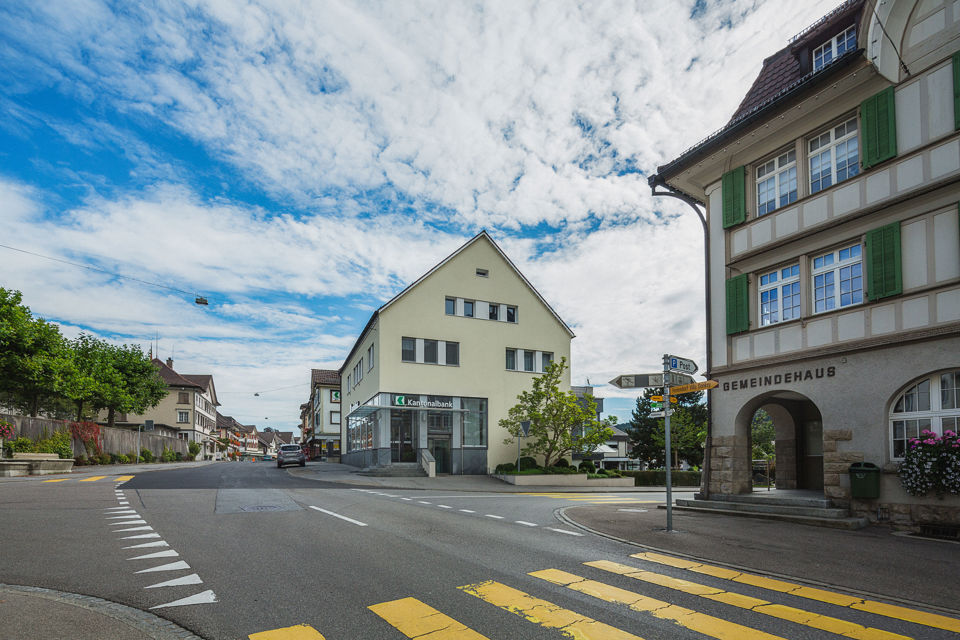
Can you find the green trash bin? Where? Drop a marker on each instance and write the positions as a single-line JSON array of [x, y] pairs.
[[864, 480]]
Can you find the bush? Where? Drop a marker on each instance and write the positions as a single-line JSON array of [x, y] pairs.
[[93, 460], [658, 478], [562, 462], [146, 454], [105, 458], [194, 449], [560, 470], [80, 460], [587, 466], [58, 443], [122, 459], [502, 468], [167, 455], [179, 456], [22, 444], [526, 462]]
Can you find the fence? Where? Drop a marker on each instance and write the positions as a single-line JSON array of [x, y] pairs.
[[118, 441]]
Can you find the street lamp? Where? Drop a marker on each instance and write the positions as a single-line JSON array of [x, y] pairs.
[[656, 181]]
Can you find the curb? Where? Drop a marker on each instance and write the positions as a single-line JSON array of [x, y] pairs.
[[153, 626]]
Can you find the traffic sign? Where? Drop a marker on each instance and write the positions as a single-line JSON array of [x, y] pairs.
[[660, 398], [659, 414], [696, 386], [681, 365], [643, 380]]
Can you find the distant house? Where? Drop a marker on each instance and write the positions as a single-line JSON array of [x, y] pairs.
[[320, 416], [269, 443]]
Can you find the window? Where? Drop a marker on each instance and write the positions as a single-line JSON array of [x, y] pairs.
[[370, 358], [932, 403], [843, 268], [528, 360], [545, 359], [494, 311], [474, 422], [183, 397], [512, 359], [349, 384], [511, 314], [183, 417], [777, 183], [408, 350], [450, 306], [335, 417], [780, 295], [430, 351], [453, 353], [834, 156], [468, 308], [834, 48], [483, 273]]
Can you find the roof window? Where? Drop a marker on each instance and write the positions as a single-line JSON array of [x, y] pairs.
[[835, 47]]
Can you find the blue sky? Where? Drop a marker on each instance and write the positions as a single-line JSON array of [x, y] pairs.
[[298, 163]]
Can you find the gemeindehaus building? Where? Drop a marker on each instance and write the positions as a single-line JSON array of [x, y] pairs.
[[440, 364], [834, 254]]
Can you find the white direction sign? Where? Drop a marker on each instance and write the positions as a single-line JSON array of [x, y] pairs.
[[681, 365], [643, 380], [659, 414]]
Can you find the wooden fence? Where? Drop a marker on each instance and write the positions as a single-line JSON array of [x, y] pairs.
[[118, 441]]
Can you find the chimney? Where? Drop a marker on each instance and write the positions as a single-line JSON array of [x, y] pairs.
[[170, 362]]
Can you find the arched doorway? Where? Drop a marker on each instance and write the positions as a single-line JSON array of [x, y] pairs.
[[798, 438]]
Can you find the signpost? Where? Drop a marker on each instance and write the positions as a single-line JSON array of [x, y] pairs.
[[683, 365], [696, 386], [643, 380], [673, 399], [525, 427]]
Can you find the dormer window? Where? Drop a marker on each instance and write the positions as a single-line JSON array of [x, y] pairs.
[[835, 47]]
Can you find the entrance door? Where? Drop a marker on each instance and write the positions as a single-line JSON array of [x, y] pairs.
[[811, 471], [401, 436], [440, 450]]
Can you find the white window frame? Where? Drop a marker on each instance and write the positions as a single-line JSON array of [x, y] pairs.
[[777, 173], [835, 47], [506, 363], [835, 265], [773, 287], [932, 416], [829, 142], [446, 306], [183, 416], [370, 358]]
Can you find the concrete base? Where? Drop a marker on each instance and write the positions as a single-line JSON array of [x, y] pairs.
[[25, 466], [564, 480]]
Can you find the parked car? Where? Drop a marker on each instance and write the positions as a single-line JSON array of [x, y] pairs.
[[290, 454]]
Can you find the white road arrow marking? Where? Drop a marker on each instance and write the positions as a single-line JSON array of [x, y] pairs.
[[141, 535], [132, 528], [176, 582], [173, 566], [207, 597], [170, 553], [158, 543]]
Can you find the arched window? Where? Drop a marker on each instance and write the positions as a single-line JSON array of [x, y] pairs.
[[931, 403]]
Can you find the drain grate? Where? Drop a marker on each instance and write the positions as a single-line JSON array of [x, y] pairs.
[[262, 507], [945, 531]]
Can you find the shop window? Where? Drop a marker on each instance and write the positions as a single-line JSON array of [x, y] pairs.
[[474, 422], [408, 350], [932, 403]]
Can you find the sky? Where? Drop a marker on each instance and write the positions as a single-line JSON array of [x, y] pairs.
[[298, 163]]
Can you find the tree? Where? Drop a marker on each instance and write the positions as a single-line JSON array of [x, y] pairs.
[[89, 372], [131, 382], [559, 423], [763, 435], [33, 356], [687, 430]]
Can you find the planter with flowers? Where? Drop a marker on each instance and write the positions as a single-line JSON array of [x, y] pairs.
[[931, 463]]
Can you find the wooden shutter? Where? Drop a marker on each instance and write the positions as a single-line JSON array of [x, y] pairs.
[[884, 277], [956, 91], [879, 124], [738, 306], [734, 197]]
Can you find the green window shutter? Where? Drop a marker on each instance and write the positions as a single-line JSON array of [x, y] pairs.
[[956, 91], [879, 124], [734, 197], [738, 306], [884, 277]]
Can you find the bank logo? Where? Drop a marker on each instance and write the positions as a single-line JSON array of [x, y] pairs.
[[400, 401]]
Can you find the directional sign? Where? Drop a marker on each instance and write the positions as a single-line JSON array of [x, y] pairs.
[[643, 380], [696, 386], [660, 398], [681, 365], [659, 414]]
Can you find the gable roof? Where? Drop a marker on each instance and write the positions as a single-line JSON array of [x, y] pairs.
[[482, 235], [325, 376], [286, 437], [205, 381], [172, 378]]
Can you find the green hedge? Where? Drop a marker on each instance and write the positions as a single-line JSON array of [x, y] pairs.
[[658, 478]]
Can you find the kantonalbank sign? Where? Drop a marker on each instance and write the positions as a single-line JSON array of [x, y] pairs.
[[404, 401], [788, 377]]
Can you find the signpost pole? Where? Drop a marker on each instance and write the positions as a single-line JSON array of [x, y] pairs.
[[138, 443], [666, 437]]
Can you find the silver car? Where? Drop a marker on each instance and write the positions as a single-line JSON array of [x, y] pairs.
[[290, 454]]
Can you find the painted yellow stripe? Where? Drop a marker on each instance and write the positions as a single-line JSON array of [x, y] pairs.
[[693, 620], [791, 614], [416, 619], [298, 632], [56, 480], [897, 612], [93, 479], [124, 479], [546, 614]]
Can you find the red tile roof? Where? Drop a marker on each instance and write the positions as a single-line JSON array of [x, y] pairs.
[[324, 376], [173, 378]]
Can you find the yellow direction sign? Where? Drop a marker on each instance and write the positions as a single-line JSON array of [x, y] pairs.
[[696, 386], [660, 398]]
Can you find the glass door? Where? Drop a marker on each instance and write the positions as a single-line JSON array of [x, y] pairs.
[[402, 436], [440, 450]]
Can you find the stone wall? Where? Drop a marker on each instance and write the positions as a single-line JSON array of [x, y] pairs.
[[730, 465], [836, 465]]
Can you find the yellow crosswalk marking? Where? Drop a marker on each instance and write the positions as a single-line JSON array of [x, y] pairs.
[[122, 478], [93, 479], [416, 619], [546, 614], [298, 632], [799, 616], [897, 612], [57, 480], [700, 622]]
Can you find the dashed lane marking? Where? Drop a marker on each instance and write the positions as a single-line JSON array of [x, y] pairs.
[[791, 614], [298, 632], [693, 620], [93, 479], [544, 613], [57, 480], [122, 478], [525, 523], [337, 515], [569, 533], [897, 612], [416, 619]]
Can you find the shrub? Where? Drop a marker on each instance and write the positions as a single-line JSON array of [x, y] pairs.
[[22, 444], [658, 478], [146, 454], [167, 455], [560, 470], [194, 449], [562, 462], [179, 456], [93, 460], [587, 466], [105, 458], [6, 429], [80, 460], [502, 468], [526, 462], [122, 459], [58, 443]]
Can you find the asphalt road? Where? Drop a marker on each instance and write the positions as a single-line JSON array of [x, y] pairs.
[[238, 549]]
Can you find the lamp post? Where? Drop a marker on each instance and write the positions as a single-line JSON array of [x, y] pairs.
[[656, 181]]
